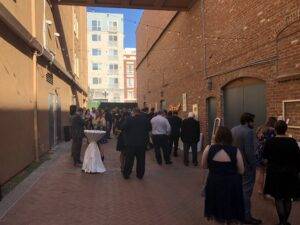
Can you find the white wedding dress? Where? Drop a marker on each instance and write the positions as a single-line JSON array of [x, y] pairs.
[[92, 162]]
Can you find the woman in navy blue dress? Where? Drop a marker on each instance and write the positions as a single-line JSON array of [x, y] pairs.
[[224, 202]]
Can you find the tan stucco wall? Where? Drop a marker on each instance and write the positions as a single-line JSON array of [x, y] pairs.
[[16, 83]]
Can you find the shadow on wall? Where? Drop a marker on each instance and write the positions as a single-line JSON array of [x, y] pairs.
[[17, 138]]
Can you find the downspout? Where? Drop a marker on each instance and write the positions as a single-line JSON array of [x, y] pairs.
[[203, 37], [34, 79]]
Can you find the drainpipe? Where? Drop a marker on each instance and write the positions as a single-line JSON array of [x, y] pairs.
[[203, 36], [34, 79]]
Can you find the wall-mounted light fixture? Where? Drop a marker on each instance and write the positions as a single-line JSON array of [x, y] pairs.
[[56, 34], [48, 22]]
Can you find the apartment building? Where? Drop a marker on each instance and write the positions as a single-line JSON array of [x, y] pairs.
[[222, 58], [43, 71], [130, 84], [105, 57]]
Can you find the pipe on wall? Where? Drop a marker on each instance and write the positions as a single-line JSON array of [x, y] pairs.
[[18, 29], [34, 89]]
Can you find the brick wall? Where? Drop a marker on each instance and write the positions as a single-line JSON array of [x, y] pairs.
[[223, 41]]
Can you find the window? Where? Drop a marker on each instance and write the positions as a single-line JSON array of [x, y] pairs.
[[113, 69], [113, 82], [96, 80], [113, 52], [130, 68], [113, 66], [113, 38], [96, 51], [96, 37], [96, 25], [96, 66], [113, 25], [130, 95], [130, 82]]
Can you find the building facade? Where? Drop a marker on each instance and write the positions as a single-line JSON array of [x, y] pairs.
[[43, 71], [105, 57], [130, 83], [222, 58]]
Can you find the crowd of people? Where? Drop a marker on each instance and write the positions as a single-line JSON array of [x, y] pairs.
[[233, 158]]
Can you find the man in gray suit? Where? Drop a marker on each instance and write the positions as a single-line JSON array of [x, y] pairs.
[[243, 138]]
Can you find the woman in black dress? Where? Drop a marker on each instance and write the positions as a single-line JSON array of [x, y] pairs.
[[283, 166], [120, 142], [224, 200]]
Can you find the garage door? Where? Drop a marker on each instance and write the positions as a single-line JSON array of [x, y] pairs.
[[244, 95]]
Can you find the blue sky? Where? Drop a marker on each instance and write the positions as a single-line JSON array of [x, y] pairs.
[[131, 21]]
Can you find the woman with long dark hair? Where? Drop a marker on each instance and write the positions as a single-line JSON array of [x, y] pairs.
[[224, 202]]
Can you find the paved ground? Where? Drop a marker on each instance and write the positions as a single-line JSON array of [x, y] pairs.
[[169, 195]]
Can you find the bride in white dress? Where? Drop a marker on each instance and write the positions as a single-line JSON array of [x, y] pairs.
[[92, 162]]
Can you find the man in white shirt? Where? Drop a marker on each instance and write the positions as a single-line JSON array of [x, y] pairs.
[[161, 129]]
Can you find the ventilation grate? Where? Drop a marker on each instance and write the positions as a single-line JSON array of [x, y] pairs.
[[49, 78]]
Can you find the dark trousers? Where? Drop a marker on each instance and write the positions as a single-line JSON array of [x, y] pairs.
[[174, 139], [161, 142], [186, 148], [76, 149], [108, 129], [131, 153], [248, 186]]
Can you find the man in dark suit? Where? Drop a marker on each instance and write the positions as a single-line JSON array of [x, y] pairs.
[[136, 133], [77, 131], [190, 132], [243, 138], [175, 122]]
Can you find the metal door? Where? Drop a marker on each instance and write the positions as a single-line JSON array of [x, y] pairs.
[[54, 115], [244, 95], [211, 114], [58, 119], [51, 120]]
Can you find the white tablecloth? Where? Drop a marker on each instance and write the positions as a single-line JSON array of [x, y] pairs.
[[92, 162]]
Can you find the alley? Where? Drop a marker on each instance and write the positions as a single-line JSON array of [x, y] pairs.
[[169, 195]]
